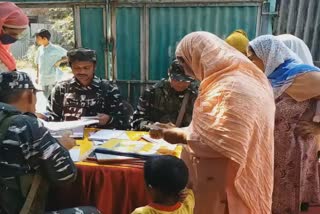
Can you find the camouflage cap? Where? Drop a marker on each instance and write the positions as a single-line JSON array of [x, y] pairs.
[[82, 54], [176, 72], [16, 80]]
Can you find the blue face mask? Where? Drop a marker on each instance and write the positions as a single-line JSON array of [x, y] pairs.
[[7, 39]]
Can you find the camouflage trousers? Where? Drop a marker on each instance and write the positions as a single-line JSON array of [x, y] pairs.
[[76, 210]]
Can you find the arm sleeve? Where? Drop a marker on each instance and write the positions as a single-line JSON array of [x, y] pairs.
[[43, 152], [189, 202], [119, 117], [142, 115], [55, 104]]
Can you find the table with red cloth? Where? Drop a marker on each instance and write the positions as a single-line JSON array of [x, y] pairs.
[[113, 189]]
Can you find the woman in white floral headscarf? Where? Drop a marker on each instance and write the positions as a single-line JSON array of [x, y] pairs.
[[296, 87], [298, 47]]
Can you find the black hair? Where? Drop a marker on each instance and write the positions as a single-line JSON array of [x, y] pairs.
[[81, 54], [167, 174], [12, 96], [44, 34]]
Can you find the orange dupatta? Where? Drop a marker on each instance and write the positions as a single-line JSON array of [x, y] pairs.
[[234, 114]]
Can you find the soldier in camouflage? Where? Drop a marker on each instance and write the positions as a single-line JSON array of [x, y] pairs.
[[87, 95], [27, 149], [162, 102]]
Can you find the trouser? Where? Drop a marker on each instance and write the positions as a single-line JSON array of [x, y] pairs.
[[76, 210]]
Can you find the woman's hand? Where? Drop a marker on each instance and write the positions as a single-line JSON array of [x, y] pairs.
[[306, 128], [169, 132], [175, 136], [157, 129]]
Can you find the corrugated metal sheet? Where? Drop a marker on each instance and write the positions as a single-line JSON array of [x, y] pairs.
[[169, 25], [137, 1], [128, 43], [301, 18], [59, 1], [92, 35], [147, 35]]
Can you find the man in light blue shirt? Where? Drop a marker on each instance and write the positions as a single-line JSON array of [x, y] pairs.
[[48, 59]]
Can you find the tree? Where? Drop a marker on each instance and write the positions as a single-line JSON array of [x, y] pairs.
[[62, 23]]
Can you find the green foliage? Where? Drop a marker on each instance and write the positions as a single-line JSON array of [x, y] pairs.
[[62, 20], [31, 56]]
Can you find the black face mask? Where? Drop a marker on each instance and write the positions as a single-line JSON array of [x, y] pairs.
[[7, 39]]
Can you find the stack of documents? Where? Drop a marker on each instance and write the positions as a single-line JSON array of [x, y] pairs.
[[75, 128], [107, 134]]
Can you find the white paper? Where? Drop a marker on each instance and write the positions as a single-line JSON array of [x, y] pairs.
[[90, 118], [123, 136], [97, 143], [75, 154], [77, 132], [106, 134], [101, 156], [67, 125], [160, 142]]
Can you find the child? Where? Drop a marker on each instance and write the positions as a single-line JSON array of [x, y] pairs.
[[166, 178]]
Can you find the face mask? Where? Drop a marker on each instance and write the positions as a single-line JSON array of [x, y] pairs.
[[7, 39]]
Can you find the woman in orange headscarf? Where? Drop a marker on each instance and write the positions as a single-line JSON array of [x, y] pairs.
[[229, 144], [13, 22]]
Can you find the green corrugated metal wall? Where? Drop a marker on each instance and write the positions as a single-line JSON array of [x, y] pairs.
[[59, 1], [128, 43], [166, 27], [93, 37], [169, 25], [128, 51]]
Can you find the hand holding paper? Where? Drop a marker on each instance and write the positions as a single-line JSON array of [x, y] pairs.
[[157, 129], [67, 142], [103, 119]]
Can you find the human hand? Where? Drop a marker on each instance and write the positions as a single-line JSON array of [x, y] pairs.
[[41, 116], [306, 128], [175, 136], [67, 142], [316, 119], [183, 195], [57, 64], [156, 129], [103, 119]]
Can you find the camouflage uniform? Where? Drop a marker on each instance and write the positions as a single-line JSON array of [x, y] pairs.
[[27, 147], [70, 100], [161, 103]]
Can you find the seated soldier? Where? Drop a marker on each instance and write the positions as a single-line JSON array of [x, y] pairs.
[[87, 95], [163, 102], [30, 158]]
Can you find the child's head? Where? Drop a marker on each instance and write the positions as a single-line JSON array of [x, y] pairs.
[[166, 176]]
